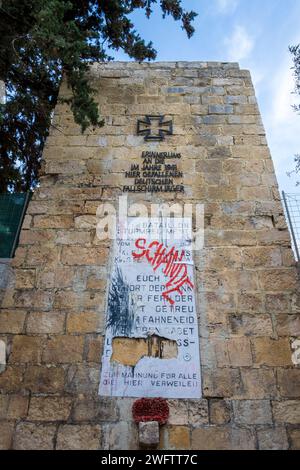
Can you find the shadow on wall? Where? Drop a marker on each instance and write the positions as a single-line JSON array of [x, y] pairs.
[[6, 276]]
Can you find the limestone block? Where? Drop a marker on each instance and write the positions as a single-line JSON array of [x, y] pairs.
[[11, 379], [30, 436], [287, 411], [98, 409], [83, 322], [26, 349], [252, 411], [197, 412], [78, 255], [289, 383], [17, 407], [6, 435], [221, 382], [251, 325], [79, 437], [49, 408], [272, 439], [149, 434], [219, 411], [83, 379], [53, 221], [294, 435], [95, 346], [45, 322], [179, 437], [44, 379], [12, 321], [272, 352], [63, 349]]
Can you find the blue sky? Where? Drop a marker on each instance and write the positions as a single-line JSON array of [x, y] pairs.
[[255, 33]]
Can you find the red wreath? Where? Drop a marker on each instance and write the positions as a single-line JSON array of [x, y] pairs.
[[150, 409]]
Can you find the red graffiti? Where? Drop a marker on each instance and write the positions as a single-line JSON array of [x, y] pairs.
[[174, 268]]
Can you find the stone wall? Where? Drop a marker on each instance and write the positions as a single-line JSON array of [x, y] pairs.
[[52, 316]]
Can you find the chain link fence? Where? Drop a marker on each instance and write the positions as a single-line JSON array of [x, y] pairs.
[[292, 212]]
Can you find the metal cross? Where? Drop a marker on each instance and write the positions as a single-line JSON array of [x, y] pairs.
[[154, 127]]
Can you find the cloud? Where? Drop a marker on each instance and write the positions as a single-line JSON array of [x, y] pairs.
[[283, 99], [283, 123], [239, 44], [226, 6]]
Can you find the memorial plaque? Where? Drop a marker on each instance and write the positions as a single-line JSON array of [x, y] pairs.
[[151, 344]]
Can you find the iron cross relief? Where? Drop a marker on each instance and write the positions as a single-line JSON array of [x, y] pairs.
[[154, 127]]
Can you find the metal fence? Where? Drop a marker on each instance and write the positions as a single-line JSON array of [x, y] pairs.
[[12, 211], [292, 212]]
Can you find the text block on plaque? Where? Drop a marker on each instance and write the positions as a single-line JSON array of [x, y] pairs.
[[151, 344]]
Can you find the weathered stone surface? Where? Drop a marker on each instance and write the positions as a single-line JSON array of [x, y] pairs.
[[222, 438], [11, 379], [121, 435], [12, 321], [6, 435], [95, 346], [68, 299], [30, 436], [272, 438], [239, 352], [252, 412], [251, 325], [278, 280], [219, 411], [294, 435], [287, 411], [49, 409], [149, 434], [289, 383], [26, 349], [17, 407], [178, 412], [55, 221], [213, 438], [83, 379], [221, 383], [63, 349], [272, 352], [179, 437], [95, 409], [25, 278], [197, 412], [76, 255], [258, 383], [45, 322], [4, 400], [44, 379], [288, 325], [83, 322], [79, 437]]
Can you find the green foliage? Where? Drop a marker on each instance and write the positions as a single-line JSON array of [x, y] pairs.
[[295, 51], [42, 40]]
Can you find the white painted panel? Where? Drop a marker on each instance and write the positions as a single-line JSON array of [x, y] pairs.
[[152, 293]]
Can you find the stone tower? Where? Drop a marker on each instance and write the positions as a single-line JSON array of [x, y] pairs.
[[53, 312]]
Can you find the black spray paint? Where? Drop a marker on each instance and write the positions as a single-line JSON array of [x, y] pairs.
[[120, 315]]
